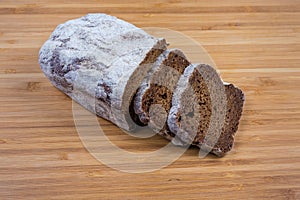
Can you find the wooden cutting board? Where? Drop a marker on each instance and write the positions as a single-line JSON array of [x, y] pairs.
[[255, 45]]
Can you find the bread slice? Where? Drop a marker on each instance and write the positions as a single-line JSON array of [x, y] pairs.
[[157, 89], [99, 61], [205, 111]]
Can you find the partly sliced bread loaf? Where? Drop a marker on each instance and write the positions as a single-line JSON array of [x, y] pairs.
[[99, 61], [120, 72], [157, 89], [205, 111]]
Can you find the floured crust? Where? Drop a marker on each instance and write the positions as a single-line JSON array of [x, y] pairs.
[[99, 61]]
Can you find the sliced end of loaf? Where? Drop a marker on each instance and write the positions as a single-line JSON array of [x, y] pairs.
[[157, 88], [135, 80]]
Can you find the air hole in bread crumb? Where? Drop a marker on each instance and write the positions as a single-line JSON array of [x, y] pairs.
[[190, 114]]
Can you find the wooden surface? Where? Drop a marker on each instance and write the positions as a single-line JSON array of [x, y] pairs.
[[255, 44]]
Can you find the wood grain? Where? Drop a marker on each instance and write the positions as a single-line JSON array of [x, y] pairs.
[[255, 44]]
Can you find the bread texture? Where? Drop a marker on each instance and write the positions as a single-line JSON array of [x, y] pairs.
[[157, 90], [205, 110], [99, 61]]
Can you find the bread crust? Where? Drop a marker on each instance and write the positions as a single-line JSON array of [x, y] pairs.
[[99, 61]]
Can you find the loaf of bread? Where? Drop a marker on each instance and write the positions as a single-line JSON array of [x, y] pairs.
[[124, 75], [99, 61]]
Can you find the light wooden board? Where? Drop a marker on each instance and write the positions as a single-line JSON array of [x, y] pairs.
[[255, 44]]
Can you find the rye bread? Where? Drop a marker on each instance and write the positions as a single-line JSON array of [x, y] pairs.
[[120, 73], [205, 111], [157, 90], [99, 61]]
